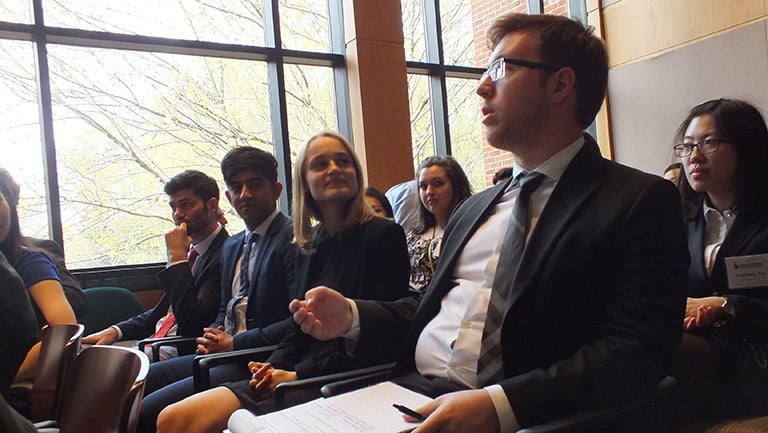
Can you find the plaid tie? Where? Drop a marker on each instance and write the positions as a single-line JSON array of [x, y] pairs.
[[489, 365]]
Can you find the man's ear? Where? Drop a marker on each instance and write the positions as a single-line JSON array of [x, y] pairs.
[[564, 83], [213, 203], [229, 196], [277, 189]]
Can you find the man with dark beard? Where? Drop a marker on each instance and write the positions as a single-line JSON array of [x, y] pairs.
[[192, 278]]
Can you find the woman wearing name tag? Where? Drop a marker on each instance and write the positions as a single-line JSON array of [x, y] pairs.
[[723, 361]]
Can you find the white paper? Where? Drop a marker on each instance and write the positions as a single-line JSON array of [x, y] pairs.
[[367, 410]]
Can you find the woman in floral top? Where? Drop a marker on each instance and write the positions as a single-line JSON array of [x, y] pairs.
[[442, 185]]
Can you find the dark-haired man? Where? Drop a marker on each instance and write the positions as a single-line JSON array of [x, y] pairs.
[[192, 278], [258, 266], [592, 317]]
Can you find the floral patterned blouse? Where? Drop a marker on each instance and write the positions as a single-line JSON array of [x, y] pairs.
[[424, 251]]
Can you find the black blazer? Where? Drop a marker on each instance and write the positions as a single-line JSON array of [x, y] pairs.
[[273, 285], [747, 236], [595, 312], [369, 261], [195, 299]]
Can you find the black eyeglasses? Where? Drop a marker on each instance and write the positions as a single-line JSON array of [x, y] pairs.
[[497, 68], [710, 145]]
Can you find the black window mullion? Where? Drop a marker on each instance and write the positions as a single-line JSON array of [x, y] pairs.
[[437, 87], [279, 111], [50, 170], [535, 6], [340, 78]]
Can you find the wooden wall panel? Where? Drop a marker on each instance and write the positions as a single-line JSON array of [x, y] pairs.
[[635, 29], [650, 98]]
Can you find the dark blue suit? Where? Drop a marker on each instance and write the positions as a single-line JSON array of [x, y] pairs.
[[273, 285]]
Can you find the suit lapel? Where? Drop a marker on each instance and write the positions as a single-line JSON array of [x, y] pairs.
[[229, 258], [578, 183], [745, 229], [467, 219], [696, 249], [206, 259]]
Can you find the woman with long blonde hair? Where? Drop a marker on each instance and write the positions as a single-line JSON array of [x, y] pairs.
[[343, 246]]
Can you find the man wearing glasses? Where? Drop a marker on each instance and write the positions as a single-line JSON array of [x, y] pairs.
[[579, 305]]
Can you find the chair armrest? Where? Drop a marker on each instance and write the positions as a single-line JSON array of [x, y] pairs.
[[356, 379], [593, 418], [202, 364], [315, 383], [156, 343]]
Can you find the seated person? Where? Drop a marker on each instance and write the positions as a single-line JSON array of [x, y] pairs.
[[442, 186], [378, 202], [578, 305], [404, 198], [350, 249], [72, 287], [18, 325], [672, 173], [502, 175], [73, 290], [192, 278], [258, 281], [722, 364], [36, 269], [18, 329]]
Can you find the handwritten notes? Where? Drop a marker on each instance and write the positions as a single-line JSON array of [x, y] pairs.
[[368, 410]]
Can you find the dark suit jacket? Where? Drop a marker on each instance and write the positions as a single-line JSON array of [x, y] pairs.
[[273, 284], [18, 324], [747, 236], [195, 298], [369, 261], [595, 313]]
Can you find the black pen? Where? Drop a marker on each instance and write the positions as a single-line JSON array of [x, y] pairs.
[[410, 412]]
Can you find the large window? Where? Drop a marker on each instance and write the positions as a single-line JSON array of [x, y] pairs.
[[446, 53], [102, 102]]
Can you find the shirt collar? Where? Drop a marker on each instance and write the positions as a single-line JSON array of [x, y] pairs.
[[203, 246], [555, 166], [261, 230]]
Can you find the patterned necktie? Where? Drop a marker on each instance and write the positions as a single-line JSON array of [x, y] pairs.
[[245, 280], [170, 319], [193, 255], [489, 365]]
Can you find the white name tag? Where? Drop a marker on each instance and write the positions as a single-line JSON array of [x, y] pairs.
[[746, 272]]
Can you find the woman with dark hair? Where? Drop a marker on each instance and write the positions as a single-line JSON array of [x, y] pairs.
[[723, 361], [442, 185], [343, 246], [36, 269], [378, 203]]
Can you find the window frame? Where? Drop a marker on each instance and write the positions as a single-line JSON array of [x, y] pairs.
[[275, 56]]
